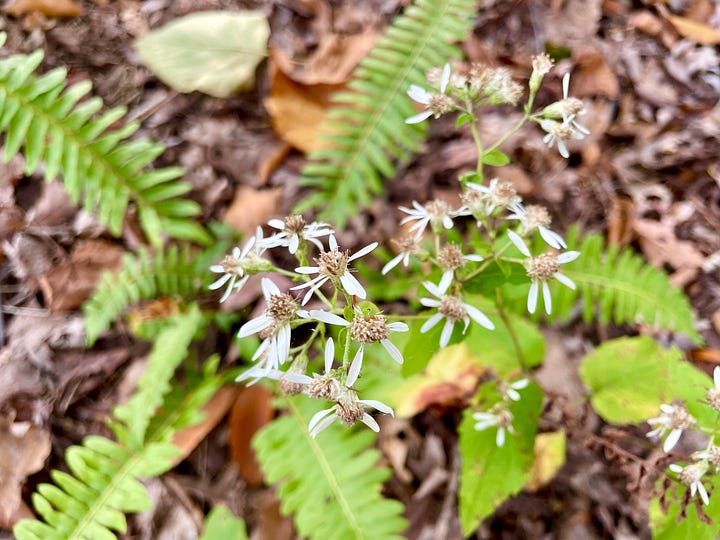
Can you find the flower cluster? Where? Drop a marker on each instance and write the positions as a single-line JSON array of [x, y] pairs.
[[672, 422], [500, 416]]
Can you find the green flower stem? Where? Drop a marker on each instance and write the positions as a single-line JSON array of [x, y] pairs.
[[511, 331]]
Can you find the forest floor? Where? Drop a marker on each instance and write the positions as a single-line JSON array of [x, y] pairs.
[[648, 176]]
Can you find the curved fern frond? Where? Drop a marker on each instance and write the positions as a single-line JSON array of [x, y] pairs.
[[367, 130], [90, 502], [331, 483], [100, 167], [618, 285], [175, 271]]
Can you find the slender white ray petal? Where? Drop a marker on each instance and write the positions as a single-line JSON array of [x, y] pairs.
[[392, 350], [479, 317], [329, 354], [432, 321], [354, 370], [370, 422], [446, 333], [547, 298], [562, 278], [532, 297], [519, 243]]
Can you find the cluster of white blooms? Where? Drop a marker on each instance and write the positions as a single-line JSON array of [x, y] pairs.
[[499, 415], [673, 421], [283, 312]]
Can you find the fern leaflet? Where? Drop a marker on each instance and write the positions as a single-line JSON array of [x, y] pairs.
[[99, 166], [331, 483], [367, 129], [175, 271], [90, 503]]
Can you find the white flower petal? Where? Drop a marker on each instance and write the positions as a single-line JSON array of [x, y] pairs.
[[446, 333], [392, 350], [672, 440], [447, 222], [546, 297], [352, 285], [327, 317], [254, 326], [377, 405], [566, 85], [307, 269], [370, 422], [716, 377], [703, 492], [432, 321], [398, 327], [277, 224], [562, 278], [416, 119], [520, 384], [329, 354], [419, 94], [676, 468], [532, 297], [446, 280], [430, 302], [551, 238], [269, 288], [322, 425], [293, 244], [568, 256], [563, 149], [500, 437], [333, 243], [519, 242], [479, 317], [220, 282], [354, 370], [392, 263], [433, 289], [513, 394], [445, 79], [364, 251]]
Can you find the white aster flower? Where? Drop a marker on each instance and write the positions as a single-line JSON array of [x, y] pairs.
[[691, 476], [273, 325], [450, 258], [237, 267], [542, 268], [487, 199], [712, 455], [294, 230], [558, 133], [333, 266], [675, 419], [535, 216], [348, 409], [405, 247], [436, 212], [501, 419], [435, 104], [365, 329], [452, 309]]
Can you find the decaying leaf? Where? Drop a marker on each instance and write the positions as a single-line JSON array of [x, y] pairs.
[[549, 457], [23, 450], [69, 283], [297, 110], [451, 375], [51, 8], [697, 31], [251, 411], [215, 52], [252, 207]]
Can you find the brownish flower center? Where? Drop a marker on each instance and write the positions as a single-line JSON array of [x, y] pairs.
[[543, 267], [450, 257], [294, 224], [333, 263], [369, 329], [452, 308], [281, 307]]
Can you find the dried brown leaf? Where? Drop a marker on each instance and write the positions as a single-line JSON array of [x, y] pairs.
[[68, 284], [697, 31], [252, 207], [51, 8], [23, 450], [251, 411]]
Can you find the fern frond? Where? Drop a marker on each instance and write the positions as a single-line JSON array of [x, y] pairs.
[[619, 286], [174, 271], [100, 167], [91, 501], [367, 130], [331, 483]]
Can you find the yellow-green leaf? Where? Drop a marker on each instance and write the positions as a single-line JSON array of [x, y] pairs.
[[215, 52]]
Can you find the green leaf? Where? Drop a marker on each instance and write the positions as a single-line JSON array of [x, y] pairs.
[[215, 52], [667, 526], [221, 524], [332, 483], [496, 158], [629, 378], [420, 347], [489, 475], [497, 273], [463, 119]]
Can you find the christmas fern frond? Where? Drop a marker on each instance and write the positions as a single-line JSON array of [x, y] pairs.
[[90, 502], [100, 167], [367, 130], [618, 285], [331, 483], [175, 271]]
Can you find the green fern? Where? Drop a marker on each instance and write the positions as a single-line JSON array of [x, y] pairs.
[[368, 130], [99, 165], [618, 285], [173, 272], [90, 503], [331, 483]]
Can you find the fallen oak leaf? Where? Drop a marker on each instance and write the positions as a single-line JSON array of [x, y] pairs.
[[697, 31], [51, 8]]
